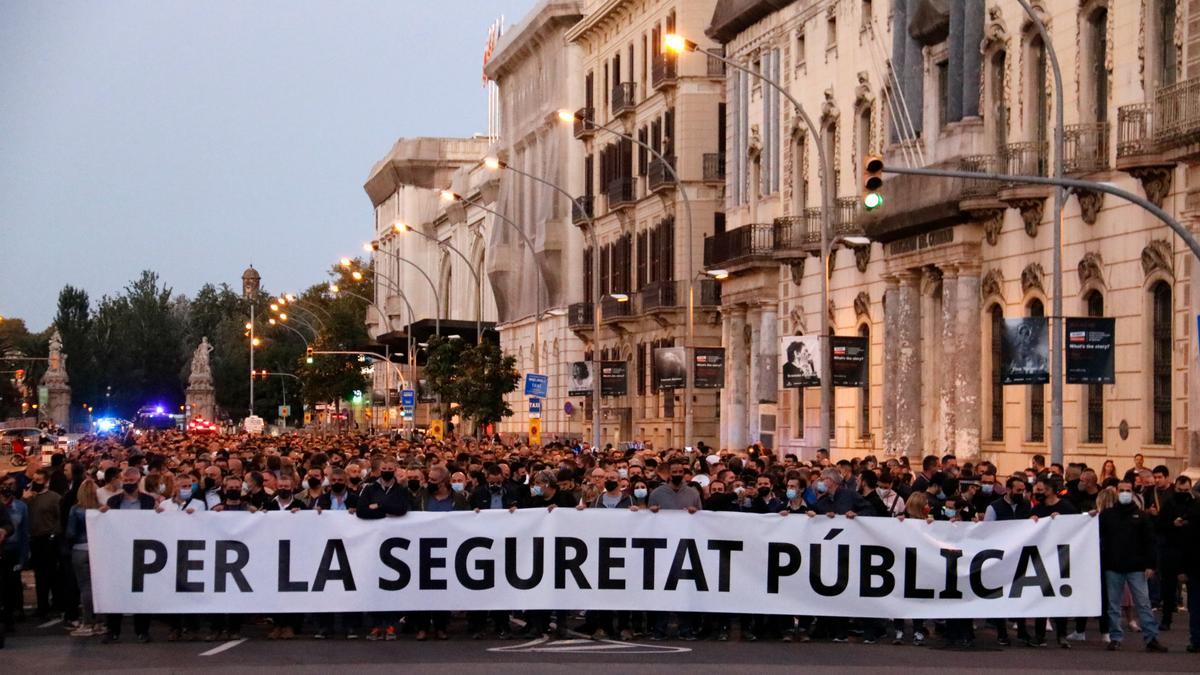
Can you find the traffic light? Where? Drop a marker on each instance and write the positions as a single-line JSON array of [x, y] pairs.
[[19, 376], [308, 355], [872, 181]]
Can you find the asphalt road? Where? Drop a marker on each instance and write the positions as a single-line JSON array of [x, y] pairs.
[[49, 649]]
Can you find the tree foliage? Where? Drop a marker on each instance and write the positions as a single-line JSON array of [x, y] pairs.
[[474, 377]]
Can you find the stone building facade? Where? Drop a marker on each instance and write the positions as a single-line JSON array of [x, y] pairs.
[[642, 225], [950, 259]]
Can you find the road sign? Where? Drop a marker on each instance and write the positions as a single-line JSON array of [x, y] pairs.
[[535, 431], [436, 430], [285, 411], [254, 424], [537, 385], [408, 398], [535, 407], [308, 417]]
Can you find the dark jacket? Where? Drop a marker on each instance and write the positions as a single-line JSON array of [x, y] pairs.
[[462, 501], [1126, 539], [623, 503], [147, 502], [325, 502], [392, 501], [273, 505], [561, 498], [1006, 511], [481, 498], [842, 502]]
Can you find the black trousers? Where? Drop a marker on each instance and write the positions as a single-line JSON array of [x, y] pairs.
[[43, 557], [141, 623]]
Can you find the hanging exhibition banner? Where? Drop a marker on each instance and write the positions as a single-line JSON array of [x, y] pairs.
[[603, 559], [670, 368], [1025, 351], [614, 378], [849, 360], [708, 368], [801, 361], [1090, 350], [580, 381]]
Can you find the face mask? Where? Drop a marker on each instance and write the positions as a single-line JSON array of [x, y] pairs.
[[640, 493], [162, 488], [314, 483], [387, 475], [987, 488], [764, 491], [536, 490], [610, 485], [950, 513], [1017, 498], [941, 494], [233, 495], [458, 487], [1125, 497], [676, 480], [792, 493], [365, 472], [414, 485], [623, 473], [739, 490], [283, 495], [493, 488], [185, 493], [209, 483], [822, 488], [99, 475], [129, 488], [338, 488]]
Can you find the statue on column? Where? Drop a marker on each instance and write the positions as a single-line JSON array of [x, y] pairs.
[[200, 368], [201, 396], [56, 381]]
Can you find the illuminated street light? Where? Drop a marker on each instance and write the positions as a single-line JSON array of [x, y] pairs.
[[718, 274]]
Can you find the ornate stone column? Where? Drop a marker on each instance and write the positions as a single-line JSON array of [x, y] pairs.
[[891, 296], [57, 384], [974, 14], [736, 377], [768, 355], [908, 365], [968, 375], [751, 421], [948, 400]]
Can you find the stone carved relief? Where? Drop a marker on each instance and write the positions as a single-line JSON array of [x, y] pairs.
[[995, 37], [992, 285], [1090, 202], [1091, 269], [995, 31], [1031, 214], [754, 147], [1156, 182], [1031, 278], [1157, 256], [862, 257], [799, 324], [829, 109], [797, 269], [862, 304], [930, 280], [862, 92], [993, 223], [832, 313]]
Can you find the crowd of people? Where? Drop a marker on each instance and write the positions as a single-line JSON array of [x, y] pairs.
[[1149, 526]]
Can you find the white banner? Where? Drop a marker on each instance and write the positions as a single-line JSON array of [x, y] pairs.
[[595, 559]]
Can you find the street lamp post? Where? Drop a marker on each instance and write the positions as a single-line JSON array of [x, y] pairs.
[[680, 44], [497, 163], [399, 227], [250, 284], [392, 285]]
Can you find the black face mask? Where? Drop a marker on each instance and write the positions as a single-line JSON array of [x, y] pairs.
[[314, 483], [764, 491], [387, 475], [233, 495], [209, 483], [610, 485], [129, 488], [283, 494], [414, 485], [338, 488], [36, 486], [676, 480], [6, 492], [494, 488]]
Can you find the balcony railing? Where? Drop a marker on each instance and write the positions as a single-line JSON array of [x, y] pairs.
[[663, 70], [660, 295], [974, 188], [1026, 159], [716, 67], [623, 97], [583, 209], [579, 315], [1085, 147], [714, 166], [620, 192], [585, 119], [799, 231], [738, 245], [845, 219], [1135, 130], [657, 175], [611, 308], [1177, 112]]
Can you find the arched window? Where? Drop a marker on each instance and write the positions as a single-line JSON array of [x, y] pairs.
[[1161, 67], [1094, 92], [1094, 393], [863, 138], [1035, 87], [1037, 392], [864, 394], [1160, 296], [997, 381]]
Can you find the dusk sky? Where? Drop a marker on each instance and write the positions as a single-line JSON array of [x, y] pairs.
[[197, 137]]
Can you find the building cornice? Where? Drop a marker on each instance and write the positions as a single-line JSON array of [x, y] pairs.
[[546, 20]]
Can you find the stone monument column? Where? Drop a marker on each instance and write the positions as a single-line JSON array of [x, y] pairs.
[[201, 396], [737, 364], [908, 366], [968, 373], [753, 419], [58, 406], [891, 297], [948, 399]]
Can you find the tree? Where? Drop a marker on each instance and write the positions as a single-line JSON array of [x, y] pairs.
[[74, 324], [475, 377]]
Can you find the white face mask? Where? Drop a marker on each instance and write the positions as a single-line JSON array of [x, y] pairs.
[[99, 475], [1125, 497]]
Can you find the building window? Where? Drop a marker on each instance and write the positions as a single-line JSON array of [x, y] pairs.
[[830, 142], [867, 11], [801, 49], [831, 31], [864, 394], [943, 89], [641, 368], [1094, 91], [1160, 44], [1094, 393], [1037, 392], [997, 382], [997, 101], [1160, 295], [863, 138], [1035, 81]]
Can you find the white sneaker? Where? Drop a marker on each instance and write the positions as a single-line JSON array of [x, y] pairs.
[[1106, 638], [899, 639], [83, 631], [1134, 627], [1076, 636]]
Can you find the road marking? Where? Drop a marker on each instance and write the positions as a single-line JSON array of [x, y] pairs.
[[223, 647], [51, 622], [545, 645]]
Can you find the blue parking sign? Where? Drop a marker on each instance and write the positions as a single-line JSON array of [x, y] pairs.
[[408, 398], [537, 385]]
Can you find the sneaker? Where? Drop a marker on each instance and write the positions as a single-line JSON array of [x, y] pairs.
[[600, 634], [443, 635], [352, 634], [898, 639], [1114, 646], [749, 637], [657, 637], [723, 636], [1076, 636], [143, 638], [868, 641], [477, 635], [1133, 626], [840, 640], [83, 631], [627, 635], [1156, 646], [390, 633], [273, 634], [287, 634], [503, 634], [1063, 644], [173, 636], [918, 639], [320, 635], [375, 634], [422, 635], [72, 625]]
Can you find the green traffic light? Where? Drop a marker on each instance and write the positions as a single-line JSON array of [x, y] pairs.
[[872, 201], [308, 360]]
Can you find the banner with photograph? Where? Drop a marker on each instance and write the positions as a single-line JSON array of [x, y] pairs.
[[1090, 350], [849, 360], [709, 368], [580, 381], [801, 361], [599, 559], [1025, 351], [614, 378], [670, 368]]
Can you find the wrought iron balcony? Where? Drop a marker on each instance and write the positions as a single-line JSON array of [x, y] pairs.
[[658, 176], [611, 308], [714, 166], [845, 218], [624, 98], [663, 70], [1085, 147], [797, 232], [582, 209], [585, 122], [739, 245], [620, 192], [1177, 113], [660, 295], [716, 67], [1026, 159], [978, 188], [579, 315]]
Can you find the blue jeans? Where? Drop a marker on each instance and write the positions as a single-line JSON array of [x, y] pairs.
[[1114, 582]]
